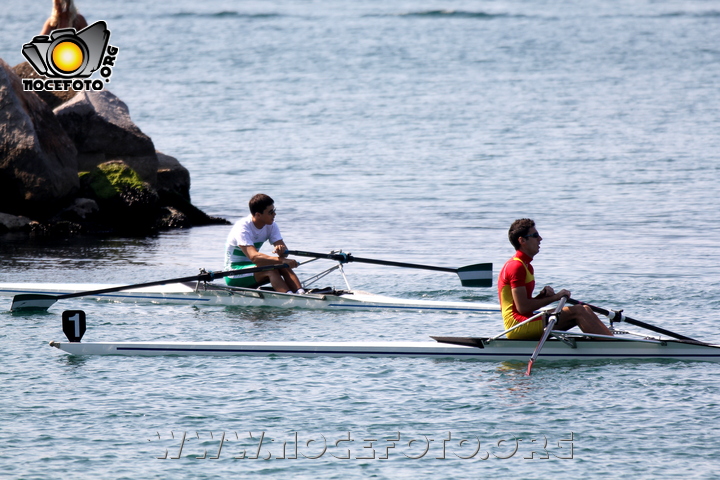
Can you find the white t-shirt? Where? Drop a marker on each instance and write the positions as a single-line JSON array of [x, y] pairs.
[[243, 234]]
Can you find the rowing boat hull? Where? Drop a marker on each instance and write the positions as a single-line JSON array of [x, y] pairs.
[[186, 294], [497, 350]]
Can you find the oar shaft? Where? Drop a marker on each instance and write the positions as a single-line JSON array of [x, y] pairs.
[[203, 277], [401, 264], [620, 317], [551, 324], [346, 257], [546, 334], [479, 275]]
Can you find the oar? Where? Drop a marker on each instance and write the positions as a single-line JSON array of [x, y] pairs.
[[618, 316], [478, 275], [551, 324], [40, 301]]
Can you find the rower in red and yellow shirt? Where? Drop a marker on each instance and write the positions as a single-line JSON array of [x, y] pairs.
[[516, 283], [518, 273]]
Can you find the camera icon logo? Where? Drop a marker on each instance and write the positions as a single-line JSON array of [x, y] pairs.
[[66, 53]]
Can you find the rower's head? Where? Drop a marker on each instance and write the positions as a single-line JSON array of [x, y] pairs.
[[524, 236], [262, 207], [260, 202]]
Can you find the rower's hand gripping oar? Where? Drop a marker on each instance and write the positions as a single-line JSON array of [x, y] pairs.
[[618, 316], [551, 324], [478, 275], [39, 301]]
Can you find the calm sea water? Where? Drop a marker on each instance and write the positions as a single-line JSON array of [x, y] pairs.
[[410, 131]]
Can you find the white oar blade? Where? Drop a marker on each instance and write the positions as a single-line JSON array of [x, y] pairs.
[[479, 275], [32, 301]]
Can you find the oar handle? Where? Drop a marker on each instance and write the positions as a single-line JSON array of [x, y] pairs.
[[203, 277], [618, 316], [338, 257]]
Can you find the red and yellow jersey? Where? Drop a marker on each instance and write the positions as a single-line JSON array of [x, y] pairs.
[[517, 272]]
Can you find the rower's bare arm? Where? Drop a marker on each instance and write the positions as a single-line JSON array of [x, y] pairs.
[[262, 259], [280, 248], [526, 306], [259, 259]]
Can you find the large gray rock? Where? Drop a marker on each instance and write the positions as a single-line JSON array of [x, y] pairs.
[[172, 177], [38, 161], [11, 223], [125, 186], [52, 98], [99, 123], [80, 209]]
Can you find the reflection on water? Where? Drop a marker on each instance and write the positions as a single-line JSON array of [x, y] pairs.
[[73, 361], [85, 259], [22, 252], [259, 315], [511, 382], [39, 314]]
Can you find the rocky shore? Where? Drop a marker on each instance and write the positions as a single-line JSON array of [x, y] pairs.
[[75, 163]]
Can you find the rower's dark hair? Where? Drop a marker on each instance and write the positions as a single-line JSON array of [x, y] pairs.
[[519, 228], [258, 203]]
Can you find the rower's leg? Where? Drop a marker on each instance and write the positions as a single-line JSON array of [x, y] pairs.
[[583, 317], [276, 280], [283, 280], [291, 279]]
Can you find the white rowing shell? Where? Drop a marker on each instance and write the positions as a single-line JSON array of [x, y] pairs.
[[185, 293], [497, 350]]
